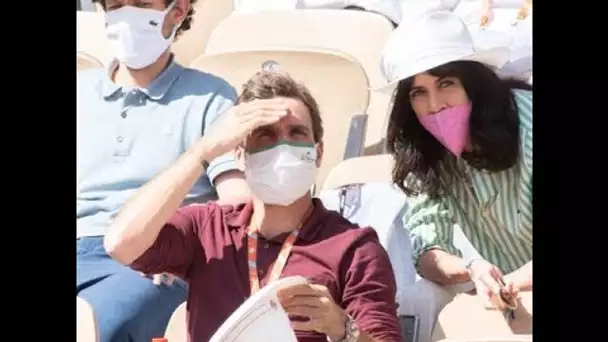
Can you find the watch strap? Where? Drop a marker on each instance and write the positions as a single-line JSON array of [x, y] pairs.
[[351, 331]]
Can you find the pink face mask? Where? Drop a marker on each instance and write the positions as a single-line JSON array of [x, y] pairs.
[[450, 127]]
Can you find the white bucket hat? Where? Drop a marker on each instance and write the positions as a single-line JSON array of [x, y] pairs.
[[429, 41]]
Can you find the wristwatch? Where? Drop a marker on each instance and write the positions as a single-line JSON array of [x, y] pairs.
[[351, 329]]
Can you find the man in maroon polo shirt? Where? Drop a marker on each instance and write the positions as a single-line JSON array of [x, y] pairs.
[[226, 253]]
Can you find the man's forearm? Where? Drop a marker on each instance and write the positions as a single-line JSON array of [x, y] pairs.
[[140, 220]]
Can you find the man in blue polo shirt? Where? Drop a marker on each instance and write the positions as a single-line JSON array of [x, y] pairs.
[[135, 119]]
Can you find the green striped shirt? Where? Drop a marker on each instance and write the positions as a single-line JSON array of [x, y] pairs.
[[494, 211]]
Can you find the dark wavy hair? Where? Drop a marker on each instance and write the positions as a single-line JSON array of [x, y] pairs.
[[494, 131]]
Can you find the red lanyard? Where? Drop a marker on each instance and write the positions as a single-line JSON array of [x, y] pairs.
[[279, 264]]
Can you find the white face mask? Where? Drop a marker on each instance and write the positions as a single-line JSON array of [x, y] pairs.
[[283, 173], [135, 35]]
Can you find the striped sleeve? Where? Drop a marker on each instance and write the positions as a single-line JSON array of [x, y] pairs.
[[431, 226], [523, 99], [524, 106]]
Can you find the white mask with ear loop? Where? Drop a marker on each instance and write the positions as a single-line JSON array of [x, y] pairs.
[[135, 35], [282, 173]]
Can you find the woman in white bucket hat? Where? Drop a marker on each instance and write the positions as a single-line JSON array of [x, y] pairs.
[[462, 137]]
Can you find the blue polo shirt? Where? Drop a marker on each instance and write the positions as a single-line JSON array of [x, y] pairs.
[[125, 137]]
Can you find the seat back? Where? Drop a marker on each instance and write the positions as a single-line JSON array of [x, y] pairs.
[[336, 81], [86, 322], [360, 170], [90, 35], [207, 14], [465, 319], [177, 329], [86, 61], [359, 34]]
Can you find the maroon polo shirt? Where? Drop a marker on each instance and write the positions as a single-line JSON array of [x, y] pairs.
[[206, 245]]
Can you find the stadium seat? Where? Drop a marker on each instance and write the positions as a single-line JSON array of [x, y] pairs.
[[358, 170], [356, 33], [90, 36], [336, 80], [465, 319], [86, 61], [177, 329], [86, 322], [98, 7], [208, 13]]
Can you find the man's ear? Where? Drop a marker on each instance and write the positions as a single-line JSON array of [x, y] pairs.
[[180, 10], [176, 16], [239, 154], [319, 153]]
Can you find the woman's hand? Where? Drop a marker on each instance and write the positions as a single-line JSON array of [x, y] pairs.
[[520, 279], [488, 282]]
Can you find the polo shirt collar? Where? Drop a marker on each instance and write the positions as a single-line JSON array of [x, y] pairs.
[[239, 219], [156, 90]]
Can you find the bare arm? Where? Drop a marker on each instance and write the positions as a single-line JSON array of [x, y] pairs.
[[521, 278], [223, 172], [431, 228], [141, 219], [232, 188], [443, 268]]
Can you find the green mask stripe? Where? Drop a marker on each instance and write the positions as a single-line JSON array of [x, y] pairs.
[[282, 142]]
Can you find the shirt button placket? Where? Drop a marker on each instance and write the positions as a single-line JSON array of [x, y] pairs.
[[122, 147]]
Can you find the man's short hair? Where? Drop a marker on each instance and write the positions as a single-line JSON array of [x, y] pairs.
[[270, 84]]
